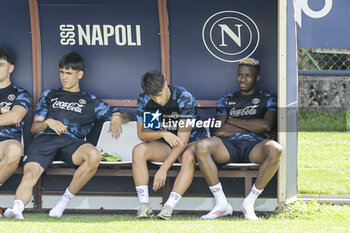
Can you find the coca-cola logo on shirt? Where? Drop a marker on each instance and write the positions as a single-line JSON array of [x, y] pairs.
[[72, 106], [249, 110], [6, 105]]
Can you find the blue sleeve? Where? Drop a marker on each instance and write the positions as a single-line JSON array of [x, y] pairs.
[[188, 105], [141, 104], [23, 99], [271, 104], [103, 111], [221, 107], [41, 106]]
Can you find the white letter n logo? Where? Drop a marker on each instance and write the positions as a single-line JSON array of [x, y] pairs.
[[230, 33]]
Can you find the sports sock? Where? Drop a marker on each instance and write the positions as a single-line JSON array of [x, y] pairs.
[[174, 198], [18, 206], [142, 193], [218, 193], [249, 202], [61, 205], [252, 196], [16, 211]]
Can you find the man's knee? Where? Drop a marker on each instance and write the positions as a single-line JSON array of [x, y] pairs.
[[188, 159], [94, 158], [202, 149], [139, 152], [14, 153], [31, 173], [274, 150]]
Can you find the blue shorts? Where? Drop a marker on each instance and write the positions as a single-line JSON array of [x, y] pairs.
[[45, 149], [6, 138], [239, 149]]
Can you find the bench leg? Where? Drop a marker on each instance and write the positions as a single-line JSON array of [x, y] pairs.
[[37, 195], [166, 190], [247, 184]]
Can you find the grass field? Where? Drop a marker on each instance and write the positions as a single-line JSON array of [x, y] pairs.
[[300, 217], [324, 162], [323, 122]]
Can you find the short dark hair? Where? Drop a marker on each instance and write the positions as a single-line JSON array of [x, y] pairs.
[[251, 62], [152, 82], [7, 55], [72, 60]]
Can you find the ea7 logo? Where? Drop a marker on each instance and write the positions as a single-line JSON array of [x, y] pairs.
[[230, 36]]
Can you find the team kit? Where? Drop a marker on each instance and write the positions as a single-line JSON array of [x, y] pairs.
[[168, 125]]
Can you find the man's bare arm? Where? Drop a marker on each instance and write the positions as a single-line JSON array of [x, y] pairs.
[[40, 124], [13, 116], [150, 135], [226, 130], [160, 176], [256, 125]]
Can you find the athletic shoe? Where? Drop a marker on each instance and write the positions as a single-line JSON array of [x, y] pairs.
[[11, 213], [218, 211], [1, 213], [57, 211], [145, 211], [110, 157], [248, 212], [165, 213]]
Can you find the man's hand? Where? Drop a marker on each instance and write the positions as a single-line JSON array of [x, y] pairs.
[[56, 126], [172, 139], [159, 178], [115, 127]]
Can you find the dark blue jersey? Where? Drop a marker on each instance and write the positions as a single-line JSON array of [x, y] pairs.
[[247, 107], [77, 110], [9, 97], [181, 106]]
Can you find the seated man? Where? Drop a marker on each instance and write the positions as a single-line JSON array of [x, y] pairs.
[[247, 116], [168, 108], [14, 104], [64, 116]]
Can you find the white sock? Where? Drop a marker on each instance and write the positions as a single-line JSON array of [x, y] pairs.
[[0, 185], [61, 205], [16, 211], [142, 193], [253, 195], [218, 193], [249, 202], [18, 206], [174, 198]]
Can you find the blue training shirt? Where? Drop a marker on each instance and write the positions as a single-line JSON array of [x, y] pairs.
[[236, 105], [77, 110], [9, 97]]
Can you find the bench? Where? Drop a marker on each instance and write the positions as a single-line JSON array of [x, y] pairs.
[[123, 147]]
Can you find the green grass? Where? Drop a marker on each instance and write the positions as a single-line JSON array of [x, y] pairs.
[[299, 217], [322, 121], [324, 162]]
